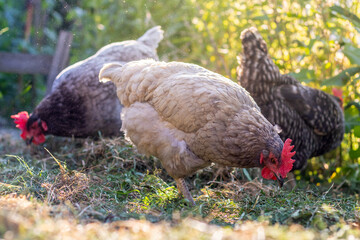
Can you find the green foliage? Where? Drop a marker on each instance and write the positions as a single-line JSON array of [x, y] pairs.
[[352, 53], [342, 78], [18, 92], [346, 14]]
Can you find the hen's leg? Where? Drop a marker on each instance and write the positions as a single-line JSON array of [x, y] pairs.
[[292, 180], [180, 182]]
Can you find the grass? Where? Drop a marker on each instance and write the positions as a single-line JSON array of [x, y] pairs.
[[85, 189]]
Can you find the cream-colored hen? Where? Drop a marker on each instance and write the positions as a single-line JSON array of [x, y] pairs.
[[189, 117]]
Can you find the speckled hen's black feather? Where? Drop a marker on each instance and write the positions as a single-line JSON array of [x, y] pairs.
[[312, 118]]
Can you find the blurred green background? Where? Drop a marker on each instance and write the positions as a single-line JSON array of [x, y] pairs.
[[317, 41]]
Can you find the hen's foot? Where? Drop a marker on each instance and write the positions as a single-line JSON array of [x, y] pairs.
[[180, 182]]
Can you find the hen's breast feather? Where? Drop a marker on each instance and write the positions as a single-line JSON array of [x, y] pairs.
[[154, 136]]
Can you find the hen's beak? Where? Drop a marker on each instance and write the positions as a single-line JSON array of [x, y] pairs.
[[29, 140], [279, 179]]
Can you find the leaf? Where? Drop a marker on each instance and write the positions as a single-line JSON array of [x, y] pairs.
[[262, 18], [354, 154], [304, 75], [342, 78], [4, 30], [352, 117], [247, 175], [351, 123], [126, 193], [352, 53], [51, 34], [355, 104], [357, 131], [346, 14]]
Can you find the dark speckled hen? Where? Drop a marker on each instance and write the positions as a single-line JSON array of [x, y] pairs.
[[78, 104], [313, 119]]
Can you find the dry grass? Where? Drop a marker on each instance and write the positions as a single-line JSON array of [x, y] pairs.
[[21, 218], [85, 189]]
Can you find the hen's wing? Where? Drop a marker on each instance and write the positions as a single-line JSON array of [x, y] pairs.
[[319, 110]]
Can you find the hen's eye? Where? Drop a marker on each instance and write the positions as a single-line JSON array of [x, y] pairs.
[[273, 161]]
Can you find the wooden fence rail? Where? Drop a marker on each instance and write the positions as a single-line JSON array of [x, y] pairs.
[[51, 66]]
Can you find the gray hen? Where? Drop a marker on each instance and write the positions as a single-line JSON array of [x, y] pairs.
[[79, 105]]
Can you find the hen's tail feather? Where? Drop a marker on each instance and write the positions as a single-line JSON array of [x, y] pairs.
[[152, 37], [253, 43], [109, 72]]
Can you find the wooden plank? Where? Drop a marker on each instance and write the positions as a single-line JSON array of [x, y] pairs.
[[38, 21], [61, 57], [25, 63]]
